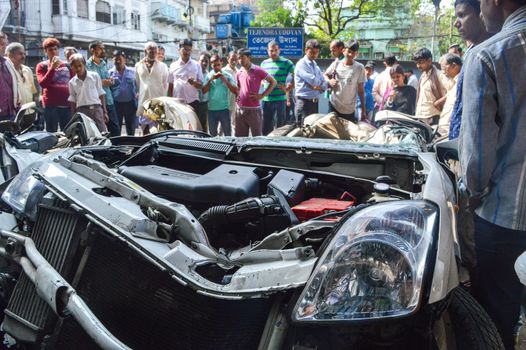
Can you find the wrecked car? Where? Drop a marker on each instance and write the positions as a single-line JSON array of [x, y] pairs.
[[179, 241]]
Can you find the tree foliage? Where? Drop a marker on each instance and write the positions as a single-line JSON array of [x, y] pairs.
[[331, 17], [279, 13], [325, 19]]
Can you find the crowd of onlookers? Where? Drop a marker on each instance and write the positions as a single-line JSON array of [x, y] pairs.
[[226, 93]]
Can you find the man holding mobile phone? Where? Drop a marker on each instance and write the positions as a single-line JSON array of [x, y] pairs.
[[186, 77]]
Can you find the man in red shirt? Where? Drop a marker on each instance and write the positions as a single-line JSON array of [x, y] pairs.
[[53, 76], [248, 111]]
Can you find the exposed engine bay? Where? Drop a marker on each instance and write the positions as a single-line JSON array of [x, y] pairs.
[[239, 203], [216, 214]]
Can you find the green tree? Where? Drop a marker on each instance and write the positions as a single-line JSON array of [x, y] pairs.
[[332, 17], [279, 13], [445, 33]]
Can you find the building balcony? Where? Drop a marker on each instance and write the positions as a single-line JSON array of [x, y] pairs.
[[202, 24], [82, 29], [165, 13]]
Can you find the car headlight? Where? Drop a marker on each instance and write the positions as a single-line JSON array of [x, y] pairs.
[[374, 265], [22, 191]]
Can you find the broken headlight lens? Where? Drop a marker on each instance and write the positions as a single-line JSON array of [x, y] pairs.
[[374, 265], [22, 190]]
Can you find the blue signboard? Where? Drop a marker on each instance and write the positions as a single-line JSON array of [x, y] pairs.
[[222, 31], [290, 41]]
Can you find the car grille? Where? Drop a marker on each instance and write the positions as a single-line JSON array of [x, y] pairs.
[[56, 236], [147, 309], [140, 304]]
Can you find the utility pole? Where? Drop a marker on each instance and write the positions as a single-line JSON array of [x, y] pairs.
[[189, 13], [436, 3], [17, 9]]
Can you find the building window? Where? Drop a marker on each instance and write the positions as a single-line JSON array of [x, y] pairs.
[[378, 56], [135, 20], [82, 9], [65, 7], [55, 4], [103, 12], [119, 15]]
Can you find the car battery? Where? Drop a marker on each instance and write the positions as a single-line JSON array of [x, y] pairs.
[[315, 207]]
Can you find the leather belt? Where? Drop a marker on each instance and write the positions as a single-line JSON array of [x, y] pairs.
[[313, 100], [90, 106]]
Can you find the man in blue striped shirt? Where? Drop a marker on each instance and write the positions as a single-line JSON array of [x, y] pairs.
[[493, 158], [274, 105], [309, 82]]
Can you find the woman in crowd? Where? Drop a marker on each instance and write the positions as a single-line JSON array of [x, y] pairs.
[[400, 97]]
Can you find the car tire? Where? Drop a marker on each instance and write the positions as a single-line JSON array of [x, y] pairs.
[[466, 325]]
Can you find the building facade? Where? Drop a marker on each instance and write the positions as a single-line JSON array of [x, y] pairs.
[[173, 20], [381, 34], [122, 24]]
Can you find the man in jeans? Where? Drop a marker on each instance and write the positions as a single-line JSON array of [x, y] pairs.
[[309, 82], [249, 78], [275, 104], [53, 76], [346, 83], [218, 85], [97, 63], [231, 68], [202, 111], [492, 160]]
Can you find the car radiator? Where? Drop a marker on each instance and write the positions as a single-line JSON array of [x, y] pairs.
[[56, 235], [140, 304]]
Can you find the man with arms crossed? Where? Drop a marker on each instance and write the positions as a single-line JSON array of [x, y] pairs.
[[249, 78]]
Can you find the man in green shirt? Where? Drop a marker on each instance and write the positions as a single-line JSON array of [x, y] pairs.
[[218, 84], [275, 104], [97, 63]]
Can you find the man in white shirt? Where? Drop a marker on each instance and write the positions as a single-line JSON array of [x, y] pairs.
[[186, 77], [383, 80], [346, 83], [412, 80], [86, 94], [151, 79], [451, 65], [231, 68], [16, 54]]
